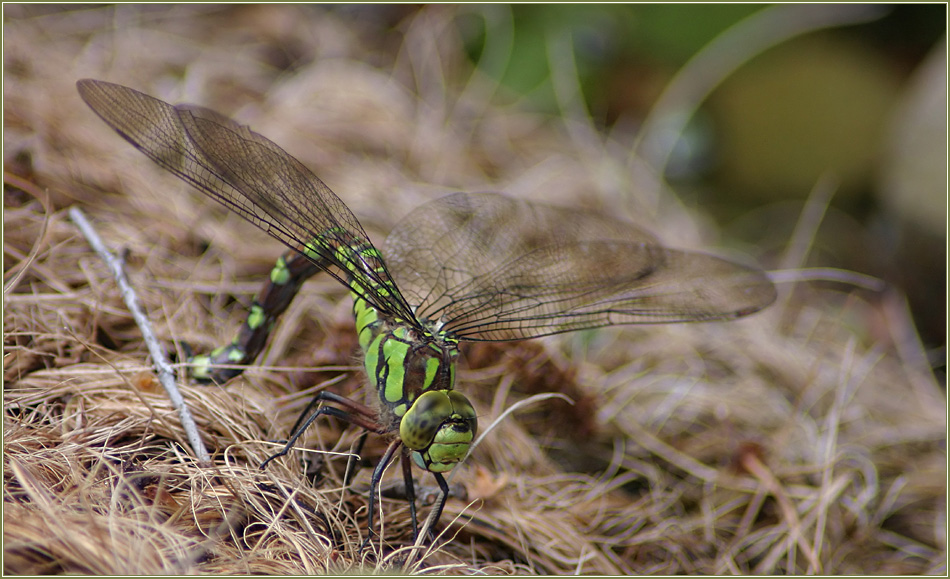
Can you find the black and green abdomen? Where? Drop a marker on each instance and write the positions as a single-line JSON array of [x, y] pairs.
[[286, 277]]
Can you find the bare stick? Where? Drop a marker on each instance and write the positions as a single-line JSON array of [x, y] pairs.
[[165, 374]]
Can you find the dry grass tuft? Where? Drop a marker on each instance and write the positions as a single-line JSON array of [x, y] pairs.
[[794, 441]]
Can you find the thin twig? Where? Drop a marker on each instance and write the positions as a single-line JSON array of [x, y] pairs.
[[165, 374]]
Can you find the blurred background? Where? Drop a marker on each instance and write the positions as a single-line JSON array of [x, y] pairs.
[[858, 99], [865, 104]]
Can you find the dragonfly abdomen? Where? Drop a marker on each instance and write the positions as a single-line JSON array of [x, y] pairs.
[[286, 278]]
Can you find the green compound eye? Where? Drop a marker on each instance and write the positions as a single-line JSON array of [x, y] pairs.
[[439, 427]]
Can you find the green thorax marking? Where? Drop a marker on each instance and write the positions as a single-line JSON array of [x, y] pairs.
[[414, 371], [411, 362], [405, 357]]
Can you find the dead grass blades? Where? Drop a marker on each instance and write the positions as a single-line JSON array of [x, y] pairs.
[[806, 439]]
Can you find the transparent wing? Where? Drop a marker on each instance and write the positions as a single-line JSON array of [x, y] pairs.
[[253, 177], [494, 268]]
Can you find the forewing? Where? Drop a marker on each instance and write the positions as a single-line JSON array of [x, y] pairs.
[[250, 175], [492, 268]]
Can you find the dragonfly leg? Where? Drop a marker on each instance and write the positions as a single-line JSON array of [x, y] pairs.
[[352, 412], [384, 462], [410, 494], [444, 487], [289, 273], [353, 460]]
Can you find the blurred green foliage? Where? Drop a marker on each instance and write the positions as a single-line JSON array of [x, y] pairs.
[[823, 103], [604, 37]]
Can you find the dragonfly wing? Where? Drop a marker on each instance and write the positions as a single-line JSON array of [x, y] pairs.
[[250, 175], [493, 268]]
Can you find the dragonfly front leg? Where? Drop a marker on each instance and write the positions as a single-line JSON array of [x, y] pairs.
[[410, 494], [288, 274], [352, 412], [410, 491], [374, 490]]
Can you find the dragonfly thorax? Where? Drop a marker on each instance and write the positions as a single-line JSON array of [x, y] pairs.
[[405, 361], [414, 370]]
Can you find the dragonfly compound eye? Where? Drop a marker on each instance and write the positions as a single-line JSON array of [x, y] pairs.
[[439, 428]]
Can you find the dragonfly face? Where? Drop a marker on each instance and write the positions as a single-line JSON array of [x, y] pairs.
[[439, 429]]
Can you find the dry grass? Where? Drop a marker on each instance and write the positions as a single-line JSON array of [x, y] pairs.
[[808, 438]]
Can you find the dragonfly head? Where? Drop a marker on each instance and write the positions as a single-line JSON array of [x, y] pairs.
[[438, 429]]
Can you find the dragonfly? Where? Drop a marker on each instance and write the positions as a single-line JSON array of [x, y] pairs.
[[462, 268]]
